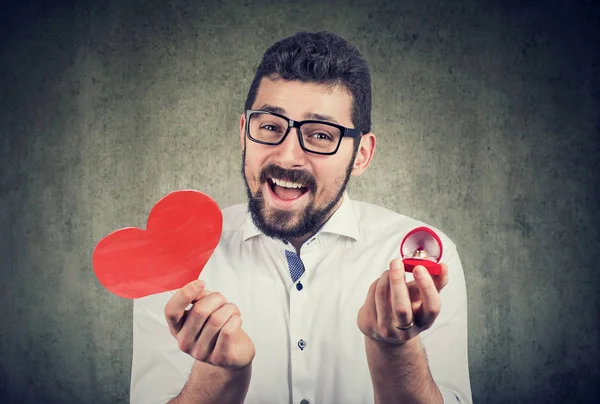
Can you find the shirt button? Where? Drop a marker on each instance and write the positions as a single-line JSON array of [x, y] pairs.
[[299, 286], [304, 401], [301, 344]]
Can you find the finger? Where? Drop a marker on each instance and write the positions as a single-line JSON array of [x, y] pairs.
[[383, 304], [229, 334], [414, 295], [368, 309], [202, 295], [442, 279], [196, 318], [370, 301], [207, 338], [175, 307], [228, 331], [400, 299], [430, 297]]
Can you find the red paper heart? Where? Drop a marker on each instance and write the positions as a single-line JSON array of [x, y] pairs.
[[182, 232]]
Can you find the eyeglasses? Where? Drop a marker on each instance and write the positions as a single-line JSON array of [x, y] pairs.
[[314, 136]]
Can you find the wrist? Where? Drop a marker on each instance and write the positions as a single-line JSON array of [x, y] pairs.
[[214, 384], [228, 373], [392, 352], [395, 345]]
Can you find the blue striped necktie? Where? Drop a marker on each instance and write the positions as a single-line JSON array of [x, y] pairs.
[[294, 264]]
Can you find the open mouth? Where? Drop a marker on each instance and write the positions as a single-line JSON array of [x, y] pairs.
[[286, 190]]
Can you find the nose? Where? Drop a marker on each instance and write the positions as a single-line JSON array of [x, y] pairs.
[[290, 153]]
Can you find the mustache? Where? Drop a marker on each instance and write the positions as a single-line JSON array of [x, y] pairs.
[[297, 176]]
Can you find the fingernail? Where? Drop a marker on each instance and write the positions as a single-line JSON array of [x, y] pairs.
[[198, 284], [418, 271]]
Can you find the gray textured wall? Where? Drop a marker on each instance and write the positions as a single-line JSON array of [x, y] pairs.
[[487, 116]]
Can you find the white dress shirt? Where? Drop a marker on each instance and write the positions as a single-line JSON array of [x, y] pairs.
[[309, 348]]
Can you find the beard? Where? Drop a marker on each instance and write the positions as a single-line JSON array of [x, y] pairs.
[[279, 223]]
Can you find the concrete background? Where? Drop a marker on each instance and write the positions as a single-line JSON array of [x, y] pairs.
[[488, 120]]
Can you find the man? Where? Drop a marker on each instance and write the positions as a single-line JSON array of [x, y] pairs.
[[329, 314]]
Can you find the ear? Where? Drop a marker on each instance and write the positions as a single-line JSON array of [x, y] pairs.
[[242, 130], [366, 149]]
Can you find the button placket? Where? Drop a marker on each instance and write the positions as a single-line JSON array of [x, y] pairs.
[[298, 342]]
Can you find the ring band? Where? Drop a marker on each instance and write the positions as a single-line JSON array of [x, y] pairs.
[[406, 327]]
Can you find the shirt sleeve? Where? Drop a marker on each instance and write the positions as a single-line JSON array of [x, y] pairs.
[[445, 342], [159, 369]]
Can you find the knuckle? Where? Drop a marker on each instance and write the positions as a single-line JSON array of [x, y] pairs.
[[188, 293], [434, 306], [402, 312], [183, 345], [170, 312], [232, 308], [219, 297], [170, 316], [198, 353], [215, 320], [432, 315], [381, 326], [386, 332], [381, 292], [372, 289], [218, 359], [397, 281], [230, 355], [199, 310], [228, 331]]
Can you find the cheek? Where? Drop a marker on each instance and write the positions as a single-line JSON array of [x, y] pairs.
[[257, 155], [253, 161], [328, 177], [331, 175]]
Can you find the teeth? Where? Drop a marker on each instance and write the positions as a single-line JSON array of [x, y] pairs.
[[286, 184]]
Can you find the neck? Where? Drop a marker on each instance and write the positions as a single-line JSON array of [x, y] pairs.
[[298, 242]]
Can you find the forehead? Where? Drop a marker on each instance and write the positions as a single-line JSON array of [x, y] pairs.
[[300, 100]]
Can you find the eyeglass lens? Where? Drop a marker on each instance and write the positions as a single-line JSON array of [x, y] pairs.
[[318, 137]]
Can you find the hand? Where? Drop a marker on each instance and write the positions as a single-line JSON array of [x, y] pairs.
[[392, 303], [210, 331]]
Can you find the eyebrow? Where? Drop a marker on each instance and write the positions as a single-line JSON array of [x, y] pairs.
[[309, 115]]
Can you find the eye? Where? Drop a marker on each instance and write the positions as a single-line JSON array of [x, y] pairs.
[[321, 136], [270, 127]]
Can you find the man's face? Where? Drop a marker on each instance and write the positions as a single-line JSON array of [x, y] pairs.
[[280, 209]]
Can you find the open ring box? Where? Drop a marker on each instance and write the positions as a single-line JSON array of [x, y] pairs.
[[421, 246]]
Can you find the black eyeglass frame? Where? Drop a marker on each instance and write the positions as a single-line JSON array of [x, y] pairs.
[[345, 132]]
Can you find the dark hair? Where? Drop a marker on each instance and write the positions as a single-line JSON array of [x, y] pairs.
[[323, 58]]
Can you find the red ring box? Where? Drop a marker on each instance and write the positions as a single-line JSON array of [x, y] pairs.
[[423, 239]]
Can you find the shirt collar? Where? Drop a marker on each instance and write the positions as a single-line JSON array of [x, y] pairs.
[[250, 230], [343, 222]]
